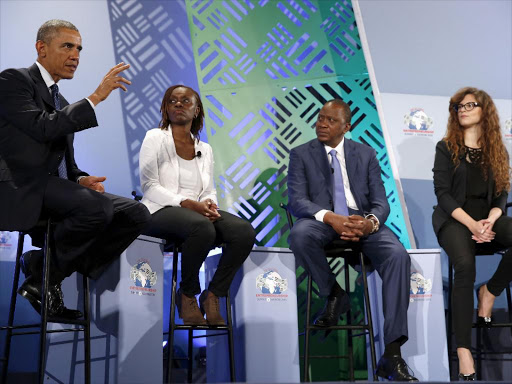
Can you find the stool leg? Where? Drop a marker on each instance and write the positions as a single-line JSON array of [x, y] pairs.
[[87, 330], [369, 316], [509, 303], [349, 322], [44, 302], [170, 338], [478, 353], [230, 339], [449, 330], [190, 359], [12, 306], [307, 328]]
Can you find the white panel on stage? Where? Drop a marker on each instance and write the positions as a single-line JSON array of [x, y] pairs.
[[126, 322], [264, 296], [426, 351]]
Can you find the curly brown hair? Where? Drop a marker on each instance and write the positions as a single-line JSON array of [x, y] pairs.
[[494, 153], [197, 122]]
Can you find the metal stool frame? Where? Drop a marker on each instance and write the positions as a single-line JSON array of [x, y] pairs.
[[344, 250], [45, 319], [191, 328]]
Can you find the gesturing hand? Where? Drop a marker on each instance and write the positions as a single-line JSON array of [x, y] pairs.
[[111, 81], [93, 182]]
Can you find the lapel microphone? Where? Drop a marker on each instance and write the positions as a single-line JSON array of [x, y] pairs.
[[198, 154]]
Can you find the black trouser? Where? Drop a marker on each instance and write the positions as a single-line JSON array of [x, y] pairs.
[[455, 238], [92, 229], [199, 236]]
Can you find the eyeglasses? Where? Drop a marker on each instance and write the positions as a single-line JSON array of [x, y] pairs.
[[467, 107], [184, 101]]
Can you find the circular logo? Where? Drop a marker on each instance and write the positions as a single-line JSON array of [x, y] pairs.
[[271, 282], [142, 275], [420, 285], [418, 120]]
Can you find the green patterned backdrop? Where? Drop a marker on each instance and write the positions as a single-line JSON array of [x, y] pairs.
[[264, 70]]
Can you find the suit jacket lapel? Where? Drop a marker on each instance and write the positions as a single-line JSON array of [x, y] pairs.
[[35, 74], [351, 162], [322, 163]]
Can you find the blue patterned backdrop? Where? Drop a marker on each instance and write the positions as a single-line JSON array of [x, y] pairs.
[[263, 68]]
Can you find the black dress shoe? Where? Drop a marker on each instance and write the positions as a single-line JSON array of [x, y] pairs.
[[32, 291], [469, 377], [31, 263], [337, 304], [394, 368]]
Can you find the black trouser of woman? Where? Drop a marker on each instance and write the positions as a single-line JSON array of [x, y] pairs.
[[199, 236], [455, 238]]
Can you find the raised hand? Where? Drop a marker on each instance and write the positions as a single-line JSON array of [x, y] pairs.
[[111, 81]]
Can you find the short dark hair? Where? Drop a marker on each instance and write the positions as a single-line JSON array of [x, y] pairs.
[[197, 122], [49, 29], [345, 109]]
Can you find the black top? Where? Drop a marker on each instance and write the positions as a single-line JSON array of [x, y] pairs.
[[476, 204], [450, 184]]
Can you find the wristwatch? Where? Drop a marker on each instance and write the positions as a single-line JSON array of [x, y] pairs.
[[375, 222]]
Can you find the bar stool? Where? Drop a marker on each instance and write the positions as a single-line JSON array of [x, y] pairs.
[[176, 249], [481, 250], [480, 352], [82, 325], [351, 254]]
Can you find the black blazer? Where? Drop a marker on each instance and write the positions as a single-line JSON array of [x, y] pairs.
[[450, 187], [33, 138]]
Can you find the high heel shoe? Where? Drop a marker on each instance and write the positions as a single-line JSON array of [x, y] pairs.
[[468, 377], [484, 322]]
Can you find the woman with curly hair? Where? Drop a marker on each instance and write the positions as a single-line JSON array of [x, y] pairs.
[[471, 182], [176, 176]]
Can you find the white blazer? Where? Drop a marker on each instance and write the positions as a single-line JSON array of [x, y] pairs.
[[159, 170]]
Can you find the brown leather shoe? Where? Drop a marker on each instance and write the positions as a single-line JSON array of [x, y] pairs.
[[209, 304], [188, 310]]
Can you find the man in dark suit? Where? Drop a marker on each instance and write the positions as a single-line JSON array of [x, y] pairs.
[[336, 191], [39, 177]]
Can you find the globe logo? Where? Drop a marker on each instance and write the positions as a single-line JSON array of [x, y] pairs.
[[418, 120], [420, 285], [142, 274], [271, 282], [507, 127], [4, 238]]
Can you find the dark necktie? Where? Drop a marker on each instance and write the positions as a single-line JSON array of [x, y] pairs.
[[62, 170], [340, 200]]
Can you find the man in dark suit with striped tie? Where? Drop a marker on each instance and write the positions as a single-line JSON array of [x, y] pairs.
[[39, 177], [336, 191]]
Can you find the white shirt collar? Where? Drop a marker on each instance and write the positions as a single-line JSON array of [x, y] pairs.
[[338, 148], [46, 75]]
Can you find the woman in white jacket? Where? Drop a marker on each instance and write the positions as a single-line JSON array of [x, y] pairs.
[[176, 174]]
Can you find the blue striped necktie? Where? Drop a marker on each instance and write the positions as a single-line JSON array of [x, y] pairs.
[[340, 200], [62, 170]]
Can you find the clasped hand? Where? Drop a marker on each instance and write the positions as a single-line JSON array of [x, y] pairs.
[[207, 208], [350, 228], [482, 231]]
